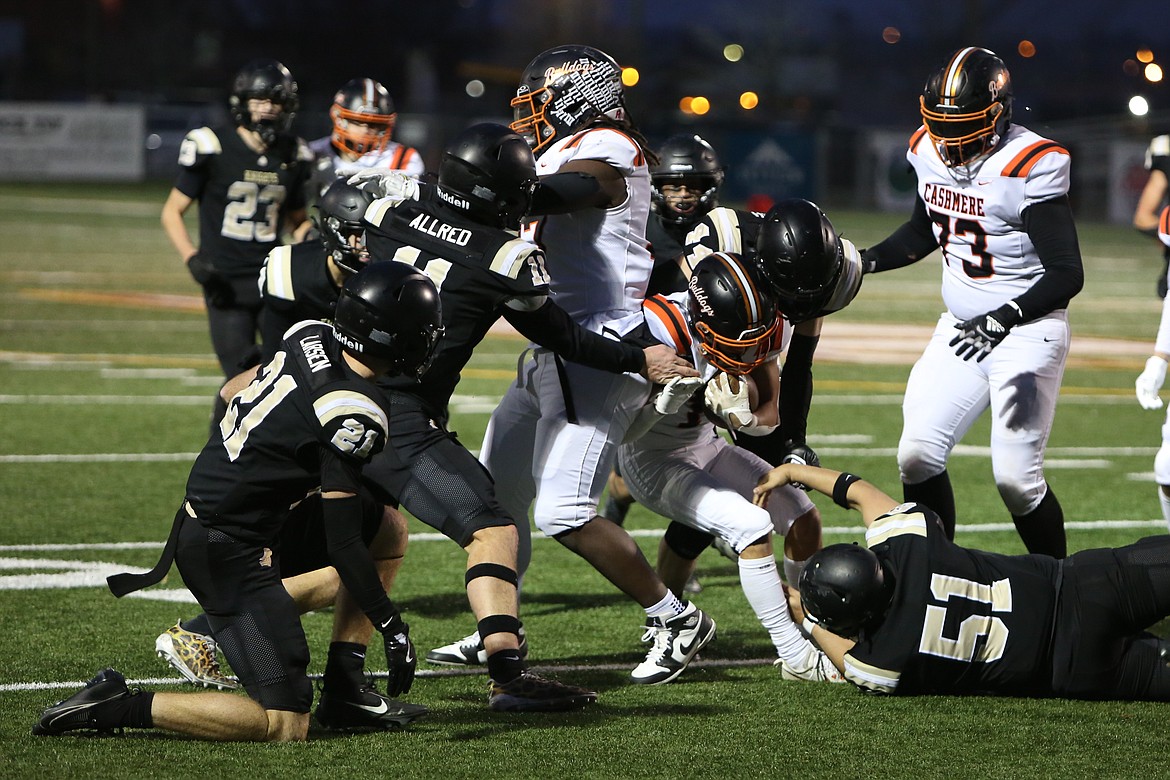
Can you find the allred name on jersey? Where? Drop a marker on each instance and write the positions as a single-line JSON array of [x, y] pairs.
[[952, 201]]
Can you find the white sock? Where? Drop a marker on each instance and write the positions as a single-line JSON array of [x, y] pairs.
[[669, 607], [760, 581], [792, 570], [1164, 500]]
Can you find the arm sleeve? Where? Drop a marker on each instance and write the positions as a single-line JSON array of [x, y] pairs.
[[561, 193], [911, 242], [551, 326], [1050, 225], [348, 553], [796, 387]]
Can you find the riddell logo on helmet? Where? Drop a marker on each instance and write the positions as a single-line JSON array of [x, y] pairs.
[[347, 342]]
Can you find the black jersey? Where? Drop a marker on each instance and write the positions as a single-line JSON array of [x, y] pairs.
[[295, 285], [307, 422], [723, 229], [666, 246], [243, 196], [477, 270], [961, 621]]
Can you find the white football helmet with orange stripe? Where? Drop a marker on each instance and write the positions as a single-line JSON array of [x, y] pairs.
[[967, 106], [564, 89]]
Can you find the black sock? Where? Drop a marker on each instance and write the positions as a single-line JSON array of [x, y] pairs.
[[505, 665], [345, 667], [132, 712], [1042, 529], [936, 493], [198, 624]]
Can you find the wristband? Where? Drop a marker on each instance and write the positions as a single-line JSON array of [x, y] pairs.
[[841, 489], [808, 624]]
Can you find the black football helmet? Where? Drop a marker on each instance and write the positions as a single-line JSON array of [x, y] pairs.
[[390, 311], [340, 211], [967, 106], [732, 312], [564, 89], [264, 80], [844, 587], [363, 117], [800, 257], [488, 173], [686, 160]]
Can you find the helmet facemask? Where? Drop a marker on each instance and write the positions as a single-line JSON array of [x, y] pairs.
[[684, 208], [740, 355], [962, 139], [360, 132]]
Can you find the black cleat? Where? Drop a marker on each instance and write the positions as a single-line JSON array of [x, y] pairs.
[[532, 693], [76, 712], [367, 710]]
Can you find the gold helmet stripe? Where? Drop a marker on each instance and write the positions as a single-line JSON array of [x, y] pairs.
[[951, 83]]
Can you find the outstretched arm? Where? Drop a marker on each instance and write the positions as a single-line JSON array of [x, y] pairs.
[[847, 490]]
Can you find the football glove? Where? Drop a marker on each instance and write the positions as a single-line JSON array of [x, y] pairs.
[[1149, 382], [400, 656], [733, 406], [394, 185], [800, 454], [676, 393], [979, 335]]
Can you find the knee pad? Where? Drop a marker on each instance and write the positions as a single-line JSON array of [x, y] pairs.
[[1021, 498], [919, 461], [686, 542], [496, 570]]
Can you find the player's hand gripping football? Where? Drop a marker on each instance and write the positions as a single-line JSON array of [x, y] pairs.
[[979, 335], [385, 184], [400, 656], [1150, 381], [729, 398]]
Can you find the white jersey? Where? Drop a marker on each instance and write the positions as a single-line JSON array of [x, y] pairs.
[[599, 259], [328, 164], [988, 259], [668, 318]]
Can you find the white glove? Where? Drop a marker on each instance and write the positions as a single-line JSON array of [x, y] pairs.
[[1149, 382], [386, 184], [731, 405], [676, 393]]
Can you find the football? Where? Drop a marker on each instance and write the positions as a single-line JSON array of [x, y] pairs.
[[733, 383]]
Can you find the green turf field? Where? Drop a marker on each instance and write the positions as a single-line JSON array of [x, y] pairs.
[[106, 376]]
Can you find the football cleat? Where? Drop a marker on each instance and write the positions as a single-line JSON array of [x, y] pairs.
[[725, 549], [676, 641], [692, 585], [818, 668], [193, 655], [469, 651], [532, 693], [365, 710], [77, 712]]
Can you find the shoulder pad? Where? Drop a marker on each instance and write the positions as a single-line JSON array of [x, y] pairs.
[[672, 320], [205, 140], [513, 256], [902, 520]]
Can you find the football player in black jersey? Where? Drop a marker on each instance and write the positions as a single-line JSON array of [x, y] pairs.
[[250, 181], [465, 238], [917, 614], [301, 281], [303, 427]]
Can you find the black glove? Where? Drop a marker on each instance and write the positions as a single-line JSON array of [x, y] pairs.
[[801, 454], [868, 261], [216, 287], [1162, 285], [979, 335], [203, 270], [400, 657]]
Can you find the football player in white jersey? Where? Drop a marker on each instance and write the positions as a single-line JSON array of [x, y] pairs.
[[1153, 377], [728, 325], [362, 139], [552, 441], [994, 197]]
